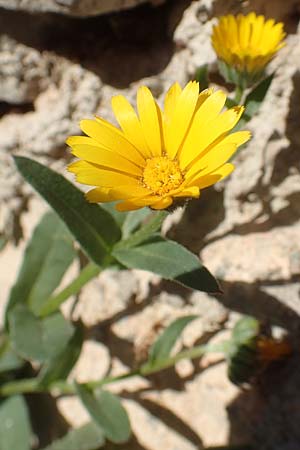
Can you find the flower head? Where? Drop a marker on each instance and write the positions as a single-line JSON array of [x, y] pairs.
[[247, 43], [157, 157]]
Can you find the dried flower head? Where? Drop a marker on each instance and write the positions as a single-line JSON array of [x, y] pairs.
[[157, 157]]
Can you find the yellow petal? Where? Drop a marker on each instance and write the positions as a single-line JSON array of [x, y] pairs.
[[214, 130], [136, 203], [112, 139], [76, 140], [163, 203], [106, 158], [130, 124], [99, 195], [257, 28], [180, 118], [129, 191], [214, 177], [214, 159], [207, 113], [191, 191], [247, 43], [93, 175], [234, 139], [171, 100], [149, 118]]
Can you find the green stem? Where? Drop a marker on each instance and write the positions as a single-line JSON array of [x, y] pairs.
[[62, 387], [53, 303], [239, 92]]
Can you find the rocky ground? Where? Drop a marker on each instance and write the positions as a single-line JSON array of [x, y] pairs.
[[63, 68]]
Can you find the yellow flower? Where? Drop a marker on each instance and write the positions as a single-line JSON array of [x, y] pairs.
[[157, 157], [247, 43]]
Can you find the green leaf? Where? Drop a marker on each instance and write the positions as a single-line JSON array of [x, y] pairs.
[[245, 329], [145, 232], [257, 96], [117, 215], [242, 352], [253, 101], [94, 228], [202, 76], [15, 430], [59, 367], [230, 103], [47, 257], [169, 260], [9, 360], [107, 411], [87, 437], [132, 221], [37, 339], [162, 347]]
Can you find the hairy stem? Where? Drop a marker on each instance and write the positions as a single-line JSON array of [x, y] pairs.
[[63, 387], [53, 303]]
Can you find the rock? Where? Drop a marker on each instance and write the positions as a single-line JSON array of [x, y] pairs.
[[246, 229], [23, 73], [73, 93], [80, 8]]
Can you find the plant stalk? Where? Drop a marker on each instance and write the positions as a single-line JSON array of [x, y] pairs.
[[62, 387], [53, 303]]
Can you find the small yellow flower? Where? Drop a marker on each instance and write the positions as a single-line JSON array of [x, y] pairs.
[[157, 157], [247, 43]]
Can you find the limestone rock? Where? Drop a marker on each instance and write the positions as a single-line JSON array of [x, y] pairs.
[[80, 8], [23, 73]]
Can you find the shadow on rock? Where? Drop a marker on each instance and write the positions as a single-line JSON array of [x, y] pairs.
[[267, 414], [120, 47], [288, 160], [287, 11], [199, 219]]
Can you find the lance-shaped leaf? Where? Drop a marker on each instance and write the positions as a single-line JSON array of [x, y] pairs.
[[38, 339], [59, 367], [88, 437], [107, 411], [15, 429], [9, 360], [93, 227], [253, 100], [202, 77], [47, 256], [169, 260], [162, 347], [146, 231], [132, 221]]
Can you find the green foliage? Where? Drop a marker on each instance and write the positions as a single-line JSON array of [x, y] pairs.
[[254, 100], [15, 430], [245, 329], [9, 360], [133, 220], [38, 335], [107, 411], [60, 365], [93, 227], [87, 437], [169, 260], [145, 232], [242, 354], [162, 347], [48, 255], [98, 233], [202, 77], [37, 339]]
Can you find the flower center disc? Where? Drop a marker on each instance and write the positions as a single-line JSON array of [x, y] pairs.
[[162, 175]]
